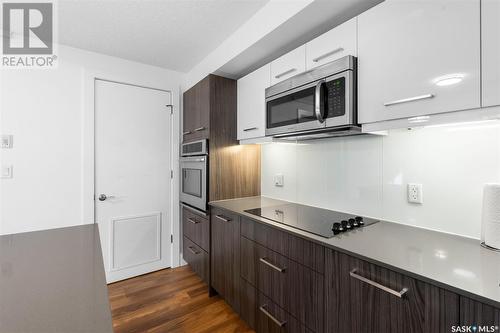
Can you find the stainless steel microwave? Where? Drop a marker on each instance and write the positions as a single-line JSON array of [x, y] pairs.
[[321, 101], [194, 174]]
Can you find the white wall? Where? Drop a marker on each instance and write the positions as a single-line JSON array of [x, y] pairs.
[[45, 110], [368, 175]]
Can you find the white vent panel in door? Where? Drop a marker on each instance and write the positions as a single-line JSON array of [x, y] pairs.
[[135, 240]]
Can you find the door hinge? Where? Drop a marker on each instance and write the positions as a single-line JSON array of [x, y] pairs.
[[171, 173], [171, 108], [171, 238]]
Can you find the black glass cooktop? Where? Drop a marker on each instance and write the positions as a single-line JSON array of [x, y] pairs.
[[319, 221]]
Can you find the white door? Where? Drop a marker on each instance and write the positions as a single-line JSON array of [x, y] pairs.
[[132, 178]]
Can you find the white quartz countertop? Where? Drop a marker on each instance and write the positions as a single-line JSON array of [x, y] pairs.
[[449, 261]]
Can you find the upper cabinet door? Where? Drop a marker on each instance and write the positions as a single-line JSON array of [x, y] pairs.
[[288, 65], [334, 44], [251, 103], [417, 58], [490, 16]]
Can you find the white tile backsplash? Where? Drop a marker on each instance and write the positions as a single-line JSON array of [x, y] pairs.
[[368, 175]]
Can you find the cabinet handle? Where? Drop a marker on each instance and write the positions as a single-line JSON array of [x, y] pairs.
[[222, 218], [285, 73], [326, 55], [187, 132], [411, 99], [270, 316], [193, 221], [199, 129], [249, 129], [281, 270], [192, 250], [378, 285]]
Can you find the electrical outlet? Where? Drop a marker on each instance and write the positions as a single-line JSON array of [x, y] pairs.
[[278, 180], [5, 141], [6, 172], [415, 193]]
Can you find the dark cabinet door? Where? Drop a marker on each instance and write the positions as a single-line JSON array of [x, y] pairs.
[[196, 111], [225, 265], [473, 313], [363, 297], [196, 258], [292, 286]]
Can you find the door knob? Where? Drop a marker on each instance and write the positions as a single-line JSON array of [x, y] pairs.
[[103, 197]]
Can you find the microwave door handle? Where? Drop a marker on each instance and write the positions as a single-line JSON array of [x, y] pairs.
[[317, 101]]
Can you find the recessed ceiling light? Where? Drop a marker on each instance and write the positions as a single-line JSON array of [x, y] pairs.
[[448, 80]]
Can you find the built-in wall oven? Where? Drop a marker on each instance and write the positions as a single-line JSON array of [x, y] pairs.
[[194, 174], [320, 101]]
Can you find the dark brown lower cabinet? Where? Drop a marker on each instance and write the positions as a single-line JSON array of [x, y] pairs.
[[225, 255], [473, 313], [271, 318], [293, 287], [363, 297], [196, 257]]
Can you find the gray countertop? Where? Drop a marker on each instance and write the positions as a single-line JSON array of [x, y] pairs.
[[53, 281], [452, 262]]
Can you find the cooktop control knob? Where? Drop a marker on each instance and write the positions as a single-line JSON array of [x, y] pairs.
[[337, 228], [360, 221], [353, 223], [345, 225]]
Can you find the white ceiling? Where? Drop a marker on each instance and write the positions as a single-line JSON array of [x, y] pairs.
[[174, 34]]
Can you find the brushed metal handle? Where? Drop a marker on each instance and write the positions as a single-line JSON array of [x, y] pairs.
[[279, 269], [193, 221], [317, 101], [285, 73], [378, 285], [192, 250], [270, 316], [223, 218], [187, 132], [410, 99], [326, 55], [199, 129], [249, 129]]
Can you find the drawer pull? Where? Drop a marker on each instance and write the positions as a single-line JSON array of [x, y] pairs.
[[285, 73], [192, 250], [270, 316], [378, 285], [193, 221], [281, 270], [186, 133], [411, 99], [249, 129], [326, 55], [222, 218], [199, 129]]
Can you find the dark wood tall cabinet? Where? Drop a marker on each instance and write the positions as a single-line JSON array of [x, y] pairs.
[[211, 240]]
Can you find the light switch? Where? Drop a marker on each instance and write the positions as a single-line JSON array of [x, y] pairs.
[[6, 172], [6, 141]]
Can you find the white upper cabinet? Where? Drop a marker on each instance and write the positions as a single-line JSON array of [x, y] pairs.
[[417, 58], [251, 104], [334, 44], [288, 65], [490, 17]]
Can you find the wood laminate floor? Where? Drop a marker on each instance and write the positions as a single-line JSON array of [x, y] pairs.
[[170, 300]]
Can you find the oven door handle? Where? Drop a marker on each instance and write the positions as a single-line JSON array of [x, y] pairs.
[[317, 101]]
